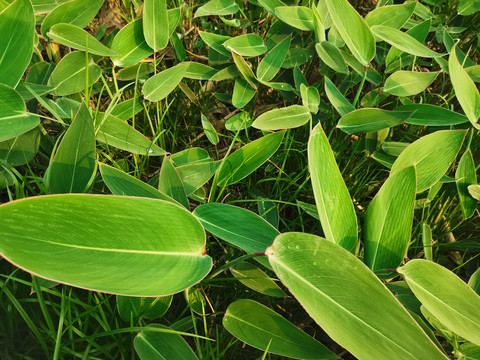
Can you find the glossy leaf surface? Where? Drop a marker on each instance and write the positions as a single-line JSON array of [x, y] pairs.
[[407, 83], [431, 115], [371, 119], [159, 86], [283, 118], [155, 23], [254, 278], [300, 17], [130, 44]]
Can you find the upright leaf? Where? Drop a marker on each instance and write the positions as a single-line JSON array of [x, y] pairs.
[[339, 102], [209, 130], [272, 62], [465, 176], [331, 56], [334, 205], [347, 300], [130, 44], [170, 183], [242, 93], [159, 86], [155, 23]]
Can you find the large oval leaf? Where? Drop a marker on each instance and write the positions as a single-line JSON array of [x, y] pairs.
[[217, 7], [432, 155], [123, 245], [283, 118], [445, 296], [334, 205], [300, 17], [155, 23], [264, 329], [394, 16], [388, 222], [407, 83], [371, 119], [159, 86], [347, 300], [246, 45], [130, 44]]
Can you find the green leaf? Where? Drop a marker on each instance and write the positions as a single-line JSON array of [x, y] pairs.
[[239, 121], [310, 98], [155, 24], [371, 119], [199, 71], [445, 296], [77, 38], [14, 119], [170, 183], [22, 149], [215, 41], [432, 155], [194, 175], [74, 162], [388, 222], [300, 17], [264, 329], [248, 158], [431, 115], [246, 45], [106, 237], [117, 133], [270, 5], [190, 156], [394, 16], [339, 102], [347, 300], [217, 7], [474, 191], [242, 93], [331, 56], [237, 226], [334, 205], [465, 176], [283, 118], [130, 44], [209, 130], [154, 345], [131, 308], [407, 83], [120, 183], [159, 86], [127, 109], [254, 278], [353, 29], [403, 41], [69, 74], [465, 89], [272, 62], [76, 12], [17, 27], [468, 7]]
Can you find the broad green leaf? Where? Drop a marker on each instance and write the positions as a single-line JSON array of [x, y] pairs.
[[135, 71], [280, 86], [124, 245], [209, 130], [394, 16], [403, 41], [69, 74], [331, 56], [74, 162], [229, 72], [14, 119], [310, 98], [300, 17], [432, 155], [155, 345], [240, 121], [76, 12], [242, 93], [474, 72], [474, 281], [237, 226], [215, 41], [155, 23], [22, 149], [407, 83], [336, 98], [388, 222], [272, 62], [190, 156], [120, 183], [117, 133], [254, 278], [270, 5], [199, 71], [469, 351], [171, 184], [324, 14], [159, 86], [264, 329], [431, 115], [445, 296], [283, 118], [347, 300], [468, 7], [353, 29], [394, 148], [194, 175], [371, 119], [465, 89], [248, 158], [372, 75], [465, 176], [474, 191], [77, 38], [130, 44], [246, 45], [46, 5], [17, 26], [173, 16], [127, 109], [131, 308], [334, 205], [217, 7]]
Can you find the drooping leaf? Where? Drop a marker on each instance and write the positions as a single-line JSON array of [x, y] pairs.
[[388, 222], [445, 296], [334, 205], [74, 162], [347, 300], [254, 278], [77, 38], [130, 44], [264, 329], [283, 118], [407, 83], [272, 62], [171, 184], [339, 102], [17, 26], [106, 237], [155, 23], [353, 29], [394, 16], [246, 45], [371, 119], [159, 86], [331, 56], [217, 7], [432, 155], [300, 17], [431, 115], [465, 176]]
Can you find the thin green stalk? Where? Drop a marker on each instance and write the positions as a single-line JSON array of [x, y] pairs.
[[58, 340], [43, 306], [359, 91]]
